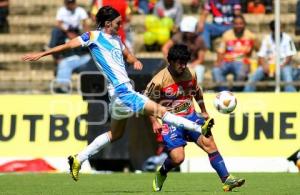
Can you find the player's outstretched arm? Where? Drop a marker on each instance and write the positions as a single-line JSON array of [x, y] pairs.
[[130, 58], [37, 55], [156, 125], [200, 100]]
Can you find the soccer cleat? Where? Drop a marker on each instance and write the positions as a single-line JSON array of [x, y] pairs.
[[158, 181], [232, 182], [298, 164], [206, 127], [74, 167]]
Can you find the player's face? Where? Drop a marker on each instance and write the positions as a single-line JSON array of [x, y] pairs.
[[71, 6], [115, 25], [239, 25], [178, 67]]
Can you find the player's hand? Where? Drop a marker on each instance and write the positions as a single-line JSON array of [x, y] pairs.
[[32, 56], [156, 127], [137, 65], [205, 115]]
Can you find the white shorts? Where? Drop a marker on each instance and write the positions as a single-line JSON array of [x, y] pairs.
[[125, 102]]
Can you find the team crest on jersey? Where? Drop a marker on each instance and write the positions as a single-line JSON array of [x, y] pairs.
[[170, 91], [117, 56], [164, 129], [174, 91]]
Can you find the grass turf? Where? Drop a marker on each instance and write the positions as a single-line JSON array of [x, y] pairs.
[[140, 184]]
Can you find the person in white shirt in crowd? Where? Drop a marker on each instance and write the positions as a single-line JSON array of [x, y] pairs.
[[169, 8], [266, 60], [71, 20]]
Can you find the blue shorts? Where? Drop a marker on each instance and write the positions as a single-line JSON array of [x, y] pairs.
[[174, 137], [126, 102]]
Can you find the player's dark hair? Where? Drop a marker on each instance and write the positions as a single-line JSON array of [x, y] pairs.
[[106, 13], [240, 17], [69, 1], [179, 52]]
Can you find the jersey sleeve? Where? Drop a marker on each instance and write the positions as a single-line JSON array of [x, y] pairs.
[[86, 38], [153, 89], [194, 78], [122, 45]]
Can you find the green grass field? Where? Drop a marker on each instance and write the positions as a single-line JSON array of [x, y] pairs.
[[140, 184]]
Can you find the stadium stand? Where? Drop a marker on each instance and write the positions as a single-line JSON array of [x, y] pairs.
[[30, 27]]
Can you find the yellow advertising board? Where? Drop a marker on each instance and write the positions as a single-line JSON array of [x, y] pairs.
[[262, 125], [41, 125]]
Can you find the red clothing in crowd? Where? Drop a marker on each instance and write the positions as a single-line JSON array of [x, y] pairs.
[[256, 9], [121, 6]]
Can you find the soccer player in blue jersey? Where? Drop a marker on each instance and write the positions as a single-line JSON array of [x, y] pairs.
[[108, 52], [175, 87]]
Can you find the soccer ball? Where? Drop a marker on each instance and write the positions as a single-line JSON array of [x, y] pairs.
[[225, 102]]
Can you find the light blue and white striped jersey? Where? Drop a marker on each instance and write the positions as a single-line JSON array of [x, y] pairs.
[[107, 53]]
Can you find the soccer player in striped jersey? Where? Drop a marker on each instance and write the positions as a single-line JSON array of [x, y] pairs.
[[175, 87], [108, 52]]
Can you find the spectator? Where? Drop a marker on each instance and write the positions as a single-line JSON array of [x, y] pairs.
[[94, 7], [266, 60], [297, 29], [187, 35], [269, 6], [78, 61], [234, 52], [4, 11], [244, 5], [296, 73], [70, 21], [169, 8], [143, 6], [256, 7], [223, 13]]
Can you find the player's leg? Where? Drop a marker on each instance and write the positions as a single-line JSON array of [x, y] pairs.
[[116, 131], [152, 108], [208, 144], [216, 160], [174, 159], [174, 143]]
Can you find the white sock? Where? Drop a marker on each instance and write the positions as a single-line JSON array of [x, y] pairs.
[[180, 121], [100, 142]]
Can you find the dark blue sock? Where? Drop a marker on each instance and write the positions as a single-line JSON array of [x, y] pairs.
[[166, 167], [218, 164]]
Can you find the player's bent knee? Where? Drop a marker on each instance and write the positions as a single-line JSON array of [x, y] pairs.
[[178, 160], [208, 145]]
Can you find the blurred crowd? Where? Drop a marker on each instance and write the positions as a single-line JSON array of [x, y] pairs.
[[209, 27], [240, 52]]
